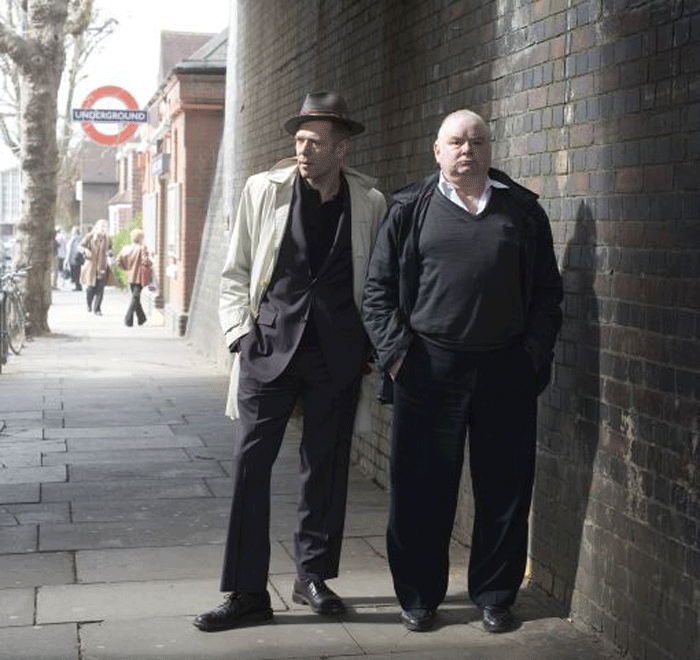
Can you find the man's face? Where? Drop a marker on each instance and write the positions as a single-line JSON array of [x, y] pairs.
[[463, 148], [319, 150]]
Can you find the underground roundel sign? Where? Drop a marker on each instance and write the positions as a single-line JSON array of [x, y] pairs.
[[129, 118]]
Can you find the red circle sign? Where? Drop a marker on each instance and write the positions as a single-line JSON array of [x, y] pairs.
[[115, 92]]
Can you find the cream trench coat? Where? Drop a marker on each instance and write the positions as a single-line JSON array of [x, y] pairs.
[[254, 247]]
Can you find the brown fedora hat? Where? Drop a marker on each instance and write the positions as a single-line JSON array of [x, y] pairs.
[[323, 105]]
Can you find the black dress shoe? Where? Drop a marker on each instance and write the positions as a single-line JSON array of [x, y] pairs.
[[317, 595], [497, 619], [418, 620], [236, 610]]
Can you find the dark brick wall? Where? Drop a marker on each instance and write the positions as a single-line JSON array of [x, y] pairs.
[[596, 105]]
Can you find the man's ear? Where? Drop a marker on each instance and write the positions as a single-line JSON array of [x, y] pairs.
[[436, 150], [342, 147]]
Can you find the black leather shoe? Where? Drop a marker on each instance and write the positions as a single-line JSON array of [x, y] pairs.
[[497, 619], [418, 620], [317, 595], [236, 610]]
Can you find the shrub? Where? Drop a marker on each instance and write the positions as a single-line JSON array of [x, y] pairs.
[[119, 240]]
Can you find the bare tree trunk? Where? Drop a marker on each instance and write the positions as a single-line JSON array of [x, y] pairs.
[[39, 154], [39, 54]]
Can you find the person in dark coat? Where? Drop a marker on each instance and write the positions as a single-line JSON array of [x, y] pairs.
[[462, 303]]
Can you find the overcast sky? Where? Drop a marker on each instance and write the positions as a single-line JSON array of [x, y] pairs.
[[130, 57]]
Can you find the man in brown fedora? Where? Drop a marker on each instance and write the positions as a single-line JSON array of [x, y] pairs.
[[289, 310]]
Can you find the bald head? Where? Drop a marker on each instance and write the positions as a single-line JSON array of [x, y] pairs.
[[459, 117], [463, 148]]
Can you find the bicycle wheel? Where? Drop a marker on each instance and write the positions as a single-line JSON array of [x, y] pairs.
[[15, 324], [3, 334]]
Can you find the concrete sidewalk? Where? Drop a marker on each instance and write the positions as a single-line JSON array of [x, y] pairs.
[[114, 496]]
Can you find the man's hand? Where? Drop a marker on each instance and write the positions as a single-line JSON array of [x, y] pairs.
[[394, 368]]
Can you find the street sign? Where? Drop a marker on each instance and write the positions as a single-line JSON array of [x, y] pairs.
[[131, 116]]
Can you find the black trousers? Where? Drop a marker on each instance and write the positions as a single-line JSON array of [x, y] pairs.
[[440, 395], [135, 306], [265, 408], [94, 294], [75, 276]]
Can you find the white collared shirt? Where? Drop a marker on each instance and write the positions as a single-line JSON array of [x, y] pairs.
[[448, 189]]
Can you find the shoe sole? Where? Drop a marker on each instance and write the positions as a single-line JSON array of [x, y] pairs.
[[246, 620], [302, 600]]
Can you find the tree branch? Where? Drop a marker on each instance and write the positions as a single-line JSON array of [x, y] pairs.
[[79, 16], [14, 46], [8, 139]]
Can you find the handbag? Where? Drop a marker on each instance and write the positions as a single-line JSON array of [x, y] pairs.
[[145, 274]]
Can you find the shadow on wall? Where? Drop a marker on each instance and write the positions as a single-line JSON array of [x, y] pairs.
[[569, 426]]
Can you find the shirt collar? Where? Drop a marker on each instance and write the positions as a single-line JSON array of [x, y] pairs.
[[448, 189]]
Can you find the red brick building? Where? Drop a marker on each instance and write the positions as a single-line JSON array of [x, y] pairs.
[[187, 115]]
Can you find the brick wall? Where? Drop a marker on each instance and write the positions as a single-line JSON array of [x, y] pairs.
[[596, 105]]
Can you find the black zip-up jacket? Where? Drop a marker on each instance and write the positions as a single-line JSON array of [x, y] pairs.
[[391, 286]]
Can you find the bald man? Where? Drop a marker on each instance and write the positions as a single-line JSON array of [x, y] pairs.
[[462, 303]]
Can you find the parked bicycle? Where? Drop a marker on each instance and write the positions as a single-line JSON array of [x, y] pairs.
[[12, 315]]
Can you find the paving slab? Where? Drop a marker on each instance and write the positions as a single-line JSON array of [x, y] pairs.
[[39, 447], [25, 514], [300, 636], [126, 489], [19, 493], [32, 475], [10, 415], [16, 608], [145, 470], [90, 536], [11, 435], [116, 456], [20, 459], [145, 442], [38, 642], [18, 539], [36, 569], [211, 511], [116, 432], [164, 563], [129, 600]]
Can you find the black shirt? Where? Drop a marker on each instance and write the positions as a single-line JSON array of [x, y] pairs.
[[469, 291], [320, 221]]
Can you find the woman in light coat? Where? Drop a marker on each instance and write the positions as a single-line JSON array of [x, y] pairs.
[[97, 248], [136, 261]]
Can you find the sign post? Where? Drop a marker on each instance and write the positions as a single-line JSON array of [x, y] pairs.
[[131, 116]]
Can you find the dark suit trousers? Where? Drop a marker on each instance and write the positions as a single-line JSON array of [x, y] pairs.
[[265, 408], [439, 396], [135, 306]]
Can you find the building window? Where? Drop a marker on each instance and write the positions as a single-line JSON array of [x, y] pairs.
[[150, 210], [173, 218]]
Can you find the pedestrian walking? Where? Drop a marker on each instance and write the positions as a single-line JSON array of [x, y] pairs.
[[289, 309], [135, 260], [462, 303], [74, 258], [97, 250]]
